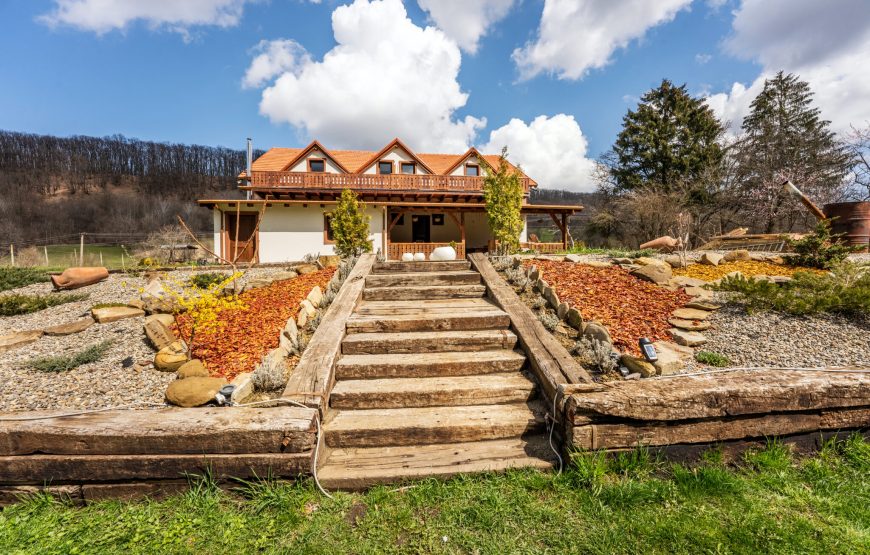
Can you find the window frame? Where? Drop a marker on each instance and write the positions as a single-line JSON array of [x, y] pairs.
[[392, 167], [413, 166], [475, 166], [321, 160]]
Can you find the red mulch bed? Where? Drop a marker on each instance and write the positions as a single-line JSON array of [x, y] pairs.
[[630, 307], [247, 334]]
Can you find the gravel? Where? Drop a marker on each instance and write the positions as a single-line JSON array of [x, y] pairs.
[[105, 383]]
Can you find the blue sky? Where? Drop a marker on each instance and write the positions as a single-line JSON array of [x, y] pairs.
[[159, 74]]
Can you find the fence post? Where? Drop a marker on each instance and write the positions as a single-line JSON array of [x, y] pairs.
[[82, 250], [45, 250], [101, 258], [12, 253]]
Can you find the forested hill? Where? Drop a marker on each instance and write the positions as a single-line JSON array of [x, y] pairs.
[[53, 186]]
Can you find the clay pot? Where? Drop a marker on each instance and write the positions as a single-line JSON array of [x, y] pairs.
[[73, 278], [665, 243]]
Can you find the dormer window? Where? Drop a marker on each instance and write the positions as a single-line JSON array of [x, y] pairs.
[[409, 168], [472, 170], [385, 168], [316, 165]]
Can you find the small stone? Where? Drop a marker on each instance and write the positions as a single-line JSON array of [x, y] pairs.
[[534, 273], [562, 310], [674, 261], [158, 334], [301, 318], [691, 314], [622, 261], [285, 275], [329, 260], [540, 285], [76, 326], [594, 330], [575, 258], [574, 318], [685, 281], [690, 325], [638, 366], [737, 255], [165, 319], [703, 305], [193, 392], [18, 339], [192, 369], [649, 261], [258, 283], [315, 296], [634, 376], [115, 313], [244, 387], [711, 258], [687, 338], [699, 293], [549, 293], [171, 357], [303, 269], [308, 307], [136, 303], [655, 273], [291, 331], [670, 357]]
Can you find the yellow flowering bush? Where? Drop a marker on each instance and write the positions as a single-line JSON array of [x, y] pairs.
[[203, 304]]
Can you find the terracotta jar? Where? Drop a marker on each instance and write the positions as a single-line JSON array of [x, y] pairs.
[[73, 278]]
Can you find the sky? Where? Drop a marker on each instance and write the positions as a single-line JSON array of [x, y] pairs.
[[549, 79]]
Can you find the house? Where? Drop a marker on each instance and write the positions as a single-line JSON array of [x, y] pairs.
[[417, 202]]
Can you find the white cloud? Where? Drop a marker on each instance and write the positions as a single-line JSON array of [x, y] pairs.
[[466, 21], [102, 16], [703, 58], [385, 78], [576, 36], [551, 150], [274, 58], [795, 36]]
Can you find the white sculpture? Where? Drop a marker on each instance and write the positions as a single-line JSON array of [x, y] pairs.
[[407, 257], [419, 257], [443, 253]]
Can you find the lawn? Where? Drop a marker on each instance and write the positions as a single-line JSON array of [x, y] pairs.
[[771, 503]]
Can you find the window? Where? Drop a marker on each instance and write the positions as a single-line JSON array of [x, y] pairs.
[[409, 167], [400, 221], [316, 165], [472, 170], [385, 168], [328, 237], [437, 219]]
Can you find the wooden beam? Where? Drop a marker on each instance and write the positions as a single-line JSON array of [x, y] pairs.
[[564, 230]]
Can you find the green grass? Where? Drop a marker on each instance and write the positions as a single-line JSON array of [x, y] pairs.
[[65, 255], [614, 252], [65, 363], [13, 278], [712, 359], [13, 304], [627, 504]]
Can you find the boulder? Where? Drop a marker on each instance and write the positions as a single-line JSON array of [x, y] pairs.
[[711, 258], [574, 318], [76, 326], [115, 313], [686, 281], [738, 255], [575, 258], [244, 387], [73, 278], [165, 319], [291, 331], [171, 357], [192, 369], [703, 305], [674, 261], [193, 392], [158, 333], [258, 283], [315, 296], [655, 273], [329, 260], [690, 325], [18, 339], [664, 243], [670, 357], [562, 310], [285, 275], [691, 314], [540, 285], [650, 261], [594, 330], [687, 338], [638, 366], [549, 293], [308, 307]]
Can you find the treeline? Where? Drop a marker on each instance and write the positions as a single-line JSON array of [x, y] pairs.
[[51, 186]]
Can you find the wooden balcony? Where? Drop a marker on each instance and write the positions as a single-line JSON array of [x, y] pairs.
[[371, 182]]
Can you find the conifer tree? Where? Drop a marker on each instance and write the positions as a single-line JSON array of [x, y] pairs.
[[350, 225], [503, 195]]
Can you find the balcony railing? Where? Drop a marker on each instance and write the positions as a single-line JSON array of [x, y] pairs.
[[370, 182]]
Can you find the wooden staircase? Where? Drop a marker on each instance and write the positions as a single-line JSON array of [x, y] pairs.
[[429, 383]]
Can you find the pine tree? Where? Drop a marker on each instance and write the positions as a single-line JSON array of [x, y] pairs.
[[350, 225], [786, 138], [671, 137], [503, 195]]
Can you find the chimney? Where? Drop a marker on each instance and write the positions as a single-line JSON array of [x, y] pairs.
[[248, 167]]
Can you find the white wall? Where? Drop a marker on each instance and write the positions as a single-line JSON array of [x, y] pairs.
[[396, 155], [216, 227], [460, 169], [302, 165]]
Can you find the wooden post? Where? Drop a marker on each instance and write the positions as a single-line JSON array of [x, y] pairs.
[[123, 267], [45, 251], [565, 231], [82, 250], [12, 253], [101, 258]]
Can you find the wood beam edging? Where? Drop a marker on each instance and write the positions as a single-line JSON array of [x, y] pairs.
[[312, 380]]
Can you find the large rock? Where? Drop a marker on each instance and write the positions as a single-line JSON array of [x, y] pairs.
[[691, 314], [575, 258], [686, 281], [703, 305], [303, 269], [315, 296], [656, 273], [301, 317], [562, 310], [244, 387], [699, 293], [308, 307], [18, 339], [574, 318], [193, 392], [329, 260], [115, 313], [285, 275], [670, 357], [650, 261], [76, 326], [158, 333], [73, 278], [690, 325], [687, 338], [165, 319], [711, 258], [192, 369], [549, 293], [638, 366], [258, 283], [291, 331], [738, 255], [594, 330], [171, 357], [674, 261]]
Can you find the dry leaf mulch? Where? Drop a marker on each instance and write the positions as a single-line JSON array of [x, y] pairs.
[[629, 307], [245, 335]]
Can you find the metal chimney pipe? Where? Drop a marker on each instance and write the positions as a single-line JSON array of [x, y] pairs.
[[248, 167]]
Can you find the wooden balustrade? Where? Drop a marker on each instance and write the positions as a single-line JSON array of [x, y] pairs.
[[396, 250], [370, 182]]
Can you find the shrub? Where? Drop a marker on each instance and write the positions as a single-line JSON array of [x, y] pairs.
[[712, 359], [15, 304], [550, 320], [207, 280], [539, 303], [269, 374], [820, 249], [594, 354], [845, 289], [503, 195], [70, 362], [12, 277], [350, 225]]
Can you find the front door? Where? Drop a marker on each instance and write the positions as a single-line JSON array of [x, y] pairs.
[[247, 223], [420, 228]]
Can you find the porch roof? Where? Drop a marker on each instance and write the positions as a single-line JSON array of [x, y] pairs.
[[426, 206]]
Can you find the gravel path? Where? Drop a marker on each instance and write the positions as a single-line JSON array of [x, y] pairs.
[[104, 383]]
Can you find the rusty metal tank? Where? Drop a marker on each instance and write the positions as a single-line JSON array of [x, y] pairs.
[[852, 219]]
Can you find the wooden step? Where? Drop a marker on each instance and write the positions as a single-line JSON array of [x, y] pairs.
[[419, 426], [423, 292], [427, 266], [394, 393], [358, 468], [404, 279], [424, 320], [427, 342], [424, 365], [430, 306]]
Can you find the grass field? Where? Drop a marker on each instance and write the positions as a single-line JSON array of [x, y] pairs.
[[769, 504]]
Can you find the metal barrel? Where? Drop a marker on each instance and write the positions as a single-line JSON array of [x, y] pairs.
[[853, 220]]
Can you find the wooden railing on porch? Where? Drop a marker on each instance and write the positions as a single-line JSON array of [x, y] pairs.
[[543, 247], [396, 250], [371, 182]]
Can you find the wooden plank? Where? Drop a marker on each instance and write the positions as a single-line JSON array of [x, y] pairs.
[[392, 393], [357, 468], [426, 266], [169, 430], [468, 320], [725, 394], [552, 364], [15, 494], [417, 279], [422, 365], [39, 469], [416, 426], [427, 342], [129, 491], [424, 292], [427, 305], [312, 378]]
